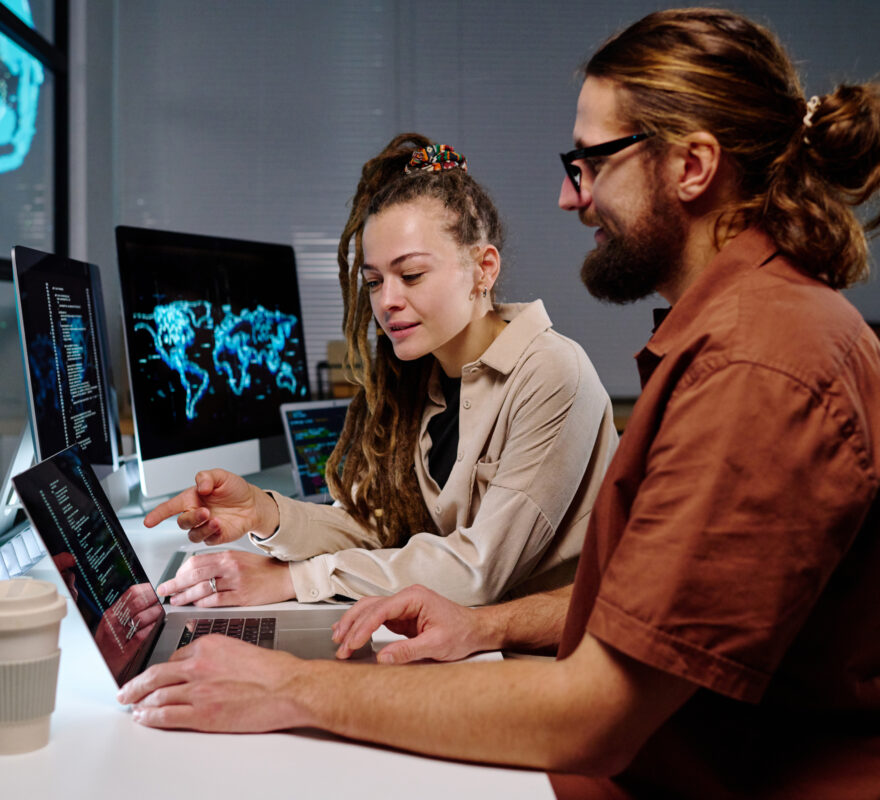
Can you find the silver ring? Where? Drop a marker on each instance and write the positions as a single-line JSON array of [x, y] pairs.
[[213, 582]]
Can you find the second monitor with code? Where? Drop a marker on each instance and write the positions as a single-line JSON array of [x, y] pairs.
[[65, 351]]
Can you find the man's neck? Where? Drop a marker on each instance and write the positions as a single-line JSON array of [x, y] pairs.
[[708, 230], [701, 246]]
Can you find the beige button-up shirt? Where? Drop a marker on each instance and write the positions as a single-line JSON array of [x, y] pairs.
[[535, 437]]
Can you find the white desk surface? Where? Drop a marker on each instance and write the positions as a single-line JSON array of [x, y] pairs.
[[96, 751]]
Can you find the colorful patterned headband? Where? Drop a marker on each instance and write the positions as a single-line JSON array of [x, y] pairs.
[[434, 158]]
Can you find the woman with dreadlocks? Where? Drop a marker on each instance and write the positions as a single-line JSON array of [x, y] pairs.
[[473, 450]]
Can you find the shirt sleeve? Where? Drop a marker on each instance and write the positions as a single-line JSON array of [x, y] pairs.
[[523, 498], [308, 529], [753, 489]]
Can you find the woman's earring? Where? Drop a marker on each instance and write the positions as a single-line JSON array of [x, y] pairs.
[[484, 291]]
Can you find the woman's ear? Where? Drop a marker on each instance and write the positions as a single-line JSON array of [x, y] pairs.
[[488, 265]]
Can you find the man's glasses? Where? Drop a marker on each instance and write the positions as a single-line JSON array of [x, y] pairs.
[[599, 150]]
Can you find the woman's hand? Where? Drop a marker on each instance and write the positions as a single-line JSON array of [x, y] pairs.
[[229, 578], [220, 508]]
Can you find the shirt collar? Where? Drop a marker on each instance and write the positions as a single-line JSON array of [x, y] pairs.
[[525, 322], [749, 250]]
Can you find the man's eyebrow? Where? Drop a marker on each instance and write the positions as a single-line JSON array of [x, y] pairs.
[[580, 144]]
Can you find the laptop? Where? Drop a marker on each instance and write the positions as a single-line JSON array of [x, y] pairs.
[[312, 429], [69, 510]]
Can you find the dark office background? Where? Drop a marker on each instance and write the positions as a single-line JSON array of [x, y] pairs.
[[251, 118]]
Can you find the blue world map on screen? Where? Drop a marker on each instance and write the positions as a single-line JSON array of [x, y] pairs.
[[240, 344]]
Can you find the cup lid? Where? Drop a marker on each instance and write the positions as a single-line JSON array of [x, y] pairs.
[[27, 603]]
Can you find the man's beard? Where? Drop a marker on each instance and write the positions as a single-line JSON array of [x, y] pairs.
[[630, 266]]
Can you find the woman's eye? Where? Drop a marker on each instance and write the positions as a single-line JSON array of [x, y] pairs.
[[412, 276], [371, 284]]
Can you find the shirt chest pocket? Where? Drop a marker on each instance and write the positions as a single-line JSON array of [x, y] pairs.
[[481, 477]]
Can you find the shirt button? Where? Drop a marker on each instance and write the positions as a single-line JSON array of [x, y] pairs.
[[466, 403], [460, 455], [314, 592], [437, 509]]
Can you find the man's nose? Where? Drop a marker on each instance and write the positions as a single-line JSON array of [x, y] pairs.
[[571, 199]]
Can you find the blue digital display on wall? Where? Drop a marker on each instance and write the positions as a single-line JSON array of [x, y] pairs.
[[21, 76]]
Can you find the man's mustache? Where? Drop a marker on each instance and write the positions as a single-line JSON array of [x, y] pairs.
[[591, 219]]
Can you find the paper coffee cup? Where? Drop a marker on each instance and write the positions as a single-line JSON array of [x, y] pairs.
[[30, 617]]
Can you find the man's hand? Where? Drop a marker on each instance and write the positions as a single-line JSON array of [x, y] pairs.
[[220, 508], [437, 628], [240, 579], [216, 684], [590, 712]]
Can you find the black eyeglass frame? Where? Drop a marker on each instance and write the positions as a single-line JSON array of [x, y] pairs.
[[597, 150]]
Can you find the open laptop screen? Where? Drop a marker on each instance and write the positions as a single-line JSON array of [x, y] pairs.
[[67, 507], [312, 429]]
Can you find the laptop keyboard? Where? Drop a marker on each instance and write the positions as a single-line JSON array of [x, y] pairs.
[[256, 630]]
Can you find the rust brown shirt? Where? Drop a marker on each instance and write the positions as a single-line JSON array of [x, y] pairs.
[[736, 539]]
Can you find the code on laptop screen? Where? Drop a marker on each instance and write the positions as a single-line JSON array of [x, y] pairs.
[[71, 513]]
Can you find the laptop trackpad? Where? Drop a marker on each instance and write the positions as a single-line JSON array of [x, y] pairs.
[[316, 644]]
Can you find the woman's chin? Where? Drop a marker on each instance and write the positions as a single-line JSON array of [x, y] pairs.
[[408, 354]]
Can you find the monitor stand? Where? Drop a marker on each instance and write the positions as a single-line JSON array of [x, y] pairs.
[[117, 486], [136, 504]]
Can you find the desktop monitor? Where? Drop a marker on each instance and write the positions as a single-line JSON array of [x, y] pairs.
[[64, 344], [64, 394], [214, 335]]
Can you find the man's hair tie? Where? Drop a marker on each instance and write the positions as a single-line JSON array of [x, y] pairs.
[[812, 104], [434, 158]]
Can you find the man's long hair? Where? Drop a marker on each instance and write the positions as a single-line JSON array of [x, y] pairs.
[[371, 471], [800, 174]]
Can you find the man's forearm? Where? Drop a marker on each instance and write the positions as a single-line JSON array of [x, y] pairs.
[[507, 713], [534, 622], [589, 713]]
